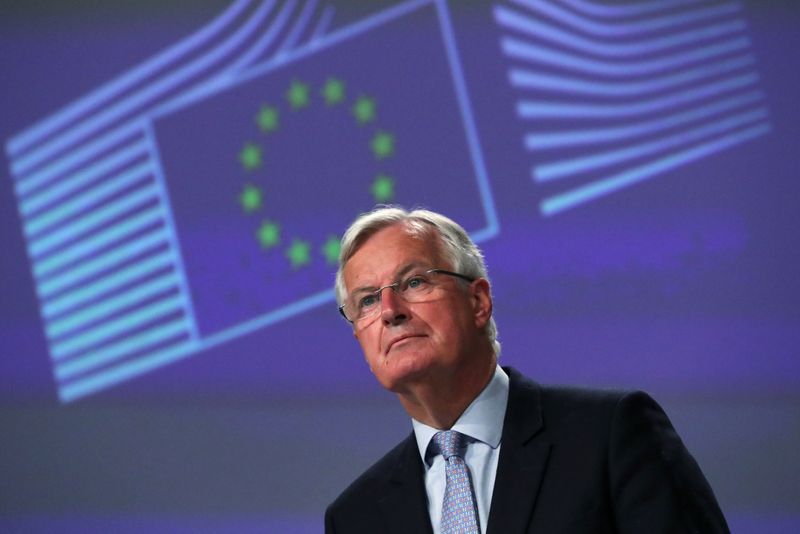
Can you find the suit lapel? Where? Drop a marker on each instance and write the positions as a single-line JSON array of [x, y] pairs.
[[404, 503], [523, 457]]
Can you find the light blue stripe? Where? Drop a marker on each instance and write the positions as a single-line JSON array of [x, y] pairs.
[[130, 103], [180, 270], [562, 169], [82, 177], [528, 79], [107, 307], [106, 261], [519, 49], [550, 140], [290, 42], [107, 330], [114, 352], [87, 246], [81, 202], [528, 25], [265, 40], [123, 372], [492, 222], [122, 83], [290, 310], [42, 244], [323, 23], [220, 83], [130, 369], [71, 160], [625, 29], [605, 186], [113, 281], [625, 10], [531, 109]]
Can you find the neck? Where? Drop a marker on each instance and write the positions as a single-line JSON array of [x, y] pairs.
[[439, 401]]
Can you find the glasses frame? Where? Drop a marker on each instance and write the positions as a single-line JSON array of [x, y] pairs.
[[396, 284]]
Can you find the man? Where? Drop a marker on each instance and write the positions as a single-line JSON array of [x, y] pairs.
[[492, 451]]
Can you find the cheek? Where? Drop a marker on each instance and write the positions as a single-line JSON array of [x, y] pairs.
[[370, 345]]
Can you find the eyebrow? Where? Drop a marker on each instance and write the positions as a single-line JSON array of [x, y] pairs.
[[407, 268]]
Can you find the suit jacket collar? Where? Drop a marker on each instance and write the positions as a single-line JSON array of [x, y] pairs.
[[404, 501], [523, 457]]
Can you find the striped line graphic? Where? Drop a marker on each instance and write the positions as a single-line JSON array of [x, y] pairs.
[[612, 95], [109, 275]]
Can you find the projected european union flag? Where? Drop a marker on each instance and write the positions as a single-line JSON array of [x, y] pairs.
[[614, 94], [201, 195]]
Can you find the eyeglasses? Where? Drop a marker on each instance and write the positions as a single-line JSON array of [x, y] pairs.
[[415, 287]]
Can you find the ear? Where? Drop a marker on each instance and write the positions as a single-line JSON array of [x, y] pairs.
[[481, 296]]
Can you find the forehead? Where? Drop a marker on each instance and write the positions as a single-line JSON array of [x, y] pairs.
[[391, 249]]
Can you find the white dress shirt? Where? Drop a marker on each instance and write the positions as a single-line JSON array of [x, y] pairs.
[[482, 423]]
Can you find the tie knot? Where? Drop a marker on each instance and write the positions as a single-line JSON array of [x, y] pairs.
[[450, 443]]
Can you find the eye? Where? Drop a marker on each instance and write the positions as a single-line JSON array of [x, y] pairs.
[[367, 301], [416, 282]]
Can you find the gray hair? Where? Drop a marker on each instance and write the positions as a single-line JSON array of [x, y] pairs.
[[465, 257]]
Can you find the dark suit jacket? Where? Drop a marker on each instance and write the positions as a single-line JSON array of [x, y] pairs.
[[571, 461]]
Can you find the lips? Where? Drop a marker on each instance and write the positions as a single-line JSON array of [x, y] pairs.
[[399, 339]]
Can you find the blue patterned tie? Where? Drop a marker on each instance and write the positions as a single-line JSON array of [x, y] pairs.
[[459, 511]]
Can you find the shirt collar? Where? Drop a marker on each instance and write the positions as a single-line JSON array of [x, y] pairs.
[[481, 421]]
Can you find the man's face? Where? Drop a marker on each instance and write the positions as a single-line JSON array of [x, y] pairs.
[[411, 342]]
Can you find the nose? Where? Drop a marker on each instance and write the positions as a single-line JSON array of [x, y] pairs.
[[393, 308]]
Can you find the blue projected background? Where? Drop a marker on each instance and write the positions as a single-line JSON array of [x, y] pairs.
[[178, 177]]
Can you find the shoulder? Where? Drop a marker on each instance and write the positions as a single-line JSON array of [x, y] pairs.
[[568, 402], [577, 413]]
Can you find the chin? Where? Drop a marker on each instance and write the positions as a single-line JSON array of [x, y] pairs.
[[403, 369]]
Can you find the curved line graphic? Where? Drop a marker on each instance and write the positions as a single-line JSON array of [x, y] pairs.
[[264, 41], [323, 23], [550, 140], [526, 79], [141, 97], [653, 168], [124, 82], [527, 51], [298, 27], [612, 11], [566, 168], [626, 29], [560, 110], [530, 26]]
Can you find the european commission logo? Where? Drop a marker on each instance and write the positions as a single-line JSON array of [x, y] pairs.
[[201, 195]]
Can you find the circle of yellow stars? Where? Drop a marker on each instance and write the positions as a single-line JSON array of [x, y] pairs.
[[298, 96]]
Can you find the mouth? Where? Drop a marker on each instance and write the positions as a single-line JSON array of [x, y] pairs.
[[400, 340]]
